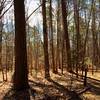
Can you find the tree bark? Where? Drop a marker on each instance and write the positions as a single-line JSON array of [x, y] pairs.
[[58, 52], [51, 38], [45, 36], [76, 18], [66, 35], [21, 67]]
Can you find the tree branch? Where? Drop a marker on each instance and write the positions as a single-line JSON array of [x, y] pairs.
[[6, 10], [34, 11]]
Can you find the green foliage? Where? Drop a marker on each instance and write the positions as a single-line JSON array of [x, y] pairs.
[[87, 61]]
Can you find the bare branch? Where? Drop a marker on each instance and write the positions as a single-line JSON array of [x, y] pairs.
[[34, 12], [6, 10]]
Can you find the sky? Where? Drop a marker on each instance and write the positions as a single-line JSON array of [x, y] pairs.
[[30, 6], [36, 18]]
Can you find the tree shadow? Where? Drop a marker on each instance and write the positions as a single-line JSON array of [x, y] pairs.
[[14, 95], [94, 89], [2, 83], [70, 95], [92, 83], [94, 80], [47, 94], [19, 95], [89, 78]]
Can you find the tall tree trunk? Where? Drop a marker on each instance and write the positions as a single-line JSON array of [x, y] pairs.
[[21, 67], [1, 27], [2, 2], [51, 37], [94, 36], [86, 37], [65, 26], [58, 52], [45, 36], [76, 18]]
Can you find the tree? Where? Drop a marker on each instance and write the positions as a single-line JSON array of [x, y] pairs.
[[66, 35], [77, 27], [86, 36], [45, 36], [94, 36], [58, 60], [21, 69], [1, 28], [51, 38]]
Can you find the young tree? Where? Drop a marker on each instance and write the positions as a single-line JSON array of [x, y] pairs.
[[21, 69]]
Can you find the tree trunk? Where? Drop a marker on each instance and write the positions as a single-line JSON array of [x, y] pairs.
[[58, 52], [76, 18], [45, 36], [94, 36], [21, 67], [51, 37], [65, 26], [1, 27]]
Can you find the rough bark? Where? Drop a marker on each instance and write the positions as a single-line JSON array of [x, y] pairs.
[[21, 67]]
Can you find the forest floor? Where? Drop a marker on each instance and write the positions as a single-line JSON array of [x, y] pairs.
[[60, 87]]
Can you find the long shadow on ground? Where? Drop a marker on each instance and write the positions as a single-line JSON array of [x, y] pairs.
[[70, 95], [19, 95], [94, 84], [26, 94]]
